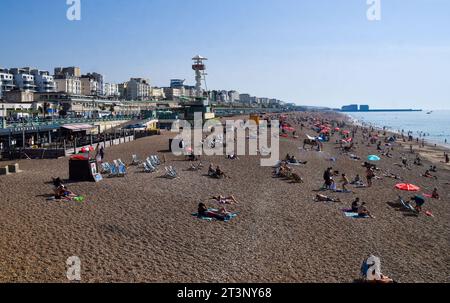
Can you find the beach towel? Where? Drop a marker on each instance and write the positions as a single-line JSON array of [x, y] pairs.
[[76, 199], [350, 214], [229, 218], [354, 215]]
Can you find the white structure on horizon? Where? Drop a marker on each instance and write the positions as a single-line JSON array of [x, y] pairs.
[[200, 73]]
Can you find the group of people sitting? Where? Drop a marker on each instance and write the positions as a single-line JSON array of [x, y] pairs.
[[61, 191], [222, 214], [329, 182], [357, 181], [292, 160], [216, 172], [428, 174], [284, 171], [361, 209]]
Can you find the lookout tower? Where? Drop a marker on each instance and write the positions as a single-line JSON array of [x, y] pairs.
[[201, 103], [200, 73]]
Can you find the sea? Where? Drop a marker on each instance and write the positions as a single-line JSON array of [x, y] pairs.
[[433, 126]]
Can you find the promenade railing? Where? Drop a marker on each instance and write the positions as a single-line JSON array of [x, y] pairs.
[[36, 122]]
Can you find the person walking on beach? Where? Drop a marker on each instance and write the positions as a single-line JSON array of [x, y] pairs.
[[447, 160], [345, 182], [327, 178], [102, 153], [370, 175]]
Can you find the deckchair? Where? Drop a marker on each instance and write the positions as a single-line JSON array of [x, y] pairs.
[[153, 161], [148, 168], [156, 159], [106, 168], [114, 172], [151, 164], [170, 173], [122, 170], [406, 205], [135, 160]]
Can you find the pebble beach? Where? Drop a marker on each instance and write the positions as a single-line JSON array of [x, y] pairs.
[[140, 228]]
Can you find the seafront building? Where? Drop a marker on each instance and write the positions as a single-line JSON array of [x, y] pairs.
[[136, 89], [6, 82], [23, 79], [44, 82], [27, 92], [67, 80]]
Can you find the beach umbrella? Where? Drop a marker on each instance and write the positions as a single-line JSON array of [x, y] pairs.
[[337, 129], [373, 158], [346, 132], [407, 187]]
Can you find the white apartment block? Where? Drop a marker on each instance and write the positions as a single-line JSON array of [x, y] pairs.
[[70, 85], [138, 89], [6, 82], [111, 90], [23, 78], [44, 81], [233, 96], [158, 93]]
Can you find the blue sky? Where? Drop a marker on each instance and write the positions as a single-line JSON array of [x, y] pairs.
[[315, 52]]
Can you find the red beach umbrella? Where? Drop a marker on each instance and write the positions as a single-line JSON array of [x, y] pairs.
[[407, 187], [337, 129], [346, 132]]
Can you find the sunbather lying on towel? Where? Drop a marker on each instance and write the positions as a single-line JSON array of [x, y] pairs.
[[225, 200], [354, 157], [323, 198], [363, 211], [222, 214], [391, 175], [232, 157], [293, 160], [357, 181]]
